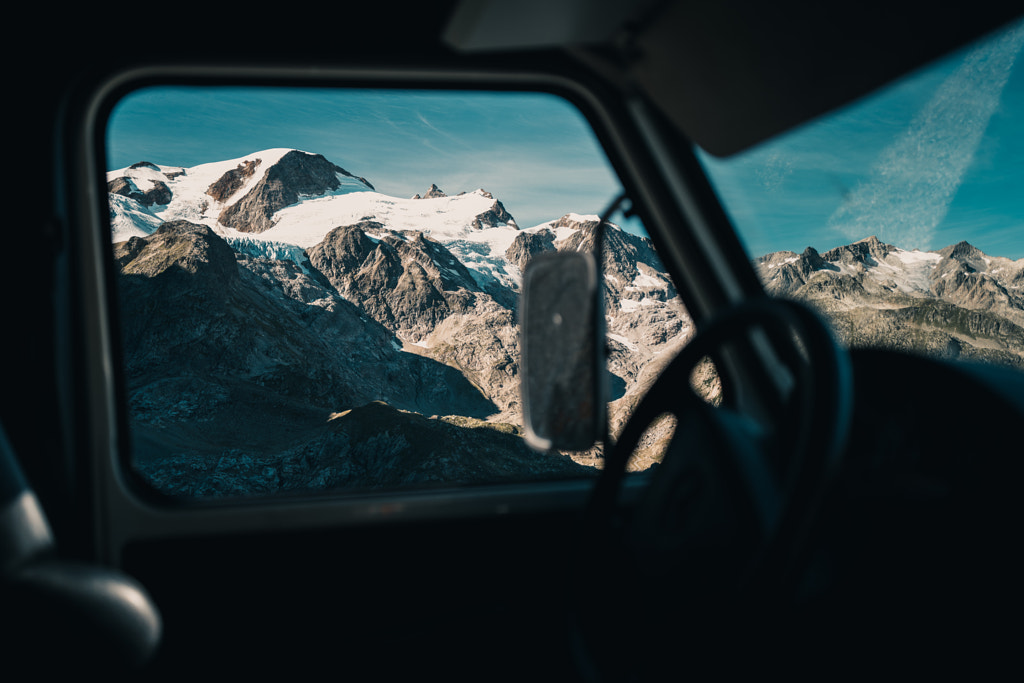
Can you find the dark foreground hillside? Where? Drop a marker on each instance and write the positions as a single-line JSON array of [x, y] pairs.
[[251, 376]]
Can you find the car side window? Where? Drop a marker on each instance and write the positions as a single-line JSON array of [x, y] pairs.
[[318, 288], [899, 217]]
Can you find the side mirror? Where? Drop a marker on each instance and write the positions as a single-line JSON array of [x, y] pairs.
[[563, 355]]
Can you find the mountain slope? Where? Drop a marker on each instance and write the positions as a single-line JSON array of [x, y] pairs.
[[368, 447], [191, 306]]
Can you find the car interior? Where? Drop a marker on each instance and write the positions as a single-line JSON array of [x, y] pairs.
[[839, 512]]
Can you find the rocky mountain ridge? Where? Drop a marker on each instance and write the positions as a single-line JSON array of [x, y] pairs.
[[954, 302]]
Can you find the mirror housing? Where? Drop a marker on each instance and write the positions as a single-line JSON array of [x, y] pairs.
[[563, 381]]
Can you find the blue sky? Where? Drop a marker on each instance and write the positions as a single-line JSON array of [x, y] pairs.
[[935, 158], [533, 151]]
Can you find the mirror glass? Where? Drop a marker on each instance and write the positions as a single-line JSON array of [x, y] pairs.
[[319, 287], [563, 359]]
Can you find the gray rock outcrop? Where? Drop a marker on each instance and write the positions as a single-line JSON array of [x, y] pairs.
[[159, 193], [295, 174]]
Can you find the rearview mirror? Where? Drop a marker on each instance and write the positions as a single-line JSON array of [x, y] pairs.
[[563, 357]]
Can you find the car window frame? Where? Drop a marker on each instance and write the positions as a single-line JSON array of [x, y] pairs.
[[120, 509]]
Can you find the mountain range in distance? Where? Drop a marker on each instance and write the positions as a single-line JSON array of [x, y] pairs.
[[287, 328], [955, 302]]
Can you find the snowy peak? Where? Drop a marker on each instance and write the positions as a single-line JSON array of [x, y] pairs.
[[291, 197], [493, 216], [143, 182], [294, 175], [433, 193], [239, 194], [868, 251]]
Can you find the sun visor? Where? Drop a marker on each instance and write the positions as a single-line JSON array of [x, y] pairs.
[[496, 25], [733, 73]]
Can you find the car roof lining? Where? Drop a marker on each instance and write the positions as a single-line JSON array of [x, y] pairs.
[[733, 73]]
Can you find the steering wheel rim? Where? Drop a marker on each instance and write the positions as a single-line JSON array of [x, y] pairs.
[[825, 414], [784, 506]]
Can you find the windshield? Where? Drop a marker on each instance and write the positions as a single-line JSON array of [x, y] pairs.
[[900, 216]]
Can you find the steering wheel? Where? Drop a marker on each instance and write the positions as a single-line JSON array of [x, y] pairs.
[[720, 533]]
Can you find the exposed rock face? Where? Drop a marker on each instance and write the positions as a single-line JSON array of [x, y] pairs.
[[869, 251], [483, 344], [158, 194], [575, 223], [295, 174], [967, 255], [416, 288], [493, 217], [527, 244], [405, 280], [176, 248], [232, 181]]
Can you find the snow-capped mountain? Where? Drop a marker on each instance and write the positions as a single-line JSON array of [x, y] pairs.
[[290, 197], [281, 279], [238, 194], [284, 204]]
